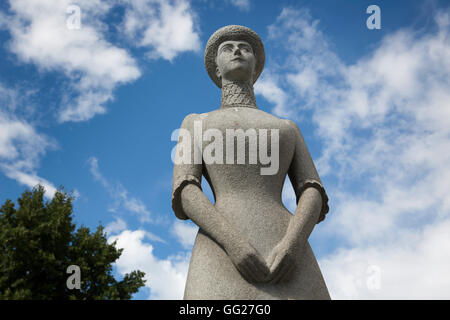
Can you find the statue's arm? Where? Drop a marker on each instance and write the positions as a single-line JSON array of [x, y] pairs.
[[305, 218], [312, 200], [286, 254], [244, 256], [312, 205]]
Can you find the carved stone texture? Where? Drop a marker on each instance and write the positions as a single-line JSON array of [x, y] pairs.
[[249, 246]]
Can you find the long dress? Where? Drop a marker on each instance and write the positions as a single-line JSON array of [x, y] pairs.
[[252, 203]]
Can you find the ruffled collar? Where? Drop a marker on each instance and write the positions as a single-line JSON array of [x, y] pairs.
[[237, 94]]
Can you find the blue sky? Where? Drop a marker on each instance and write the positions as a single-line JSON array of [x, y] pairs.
[[93, 109]]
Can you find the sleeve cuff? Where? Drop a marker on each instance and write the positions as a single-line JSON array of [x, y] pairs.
[[178, 185], [315, 184]]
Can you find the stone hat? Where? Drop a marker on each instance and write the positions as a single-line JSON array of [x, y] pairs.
[[233, 32]]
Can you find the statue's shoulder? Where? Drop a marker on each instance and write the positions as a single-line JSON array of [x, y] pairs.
[[292, 126], [191, 117], [282, 123], [273, 118], [188, 121]]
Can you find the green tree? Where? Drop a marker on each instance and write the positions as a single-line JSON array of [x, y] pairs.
[[38, 242]]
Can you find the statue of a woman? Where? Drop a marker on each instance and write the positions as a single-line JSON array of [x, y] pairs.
[[249, 246]]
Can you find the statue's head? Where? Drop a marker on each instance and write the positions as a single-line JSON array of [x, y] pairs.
[[234, 53]]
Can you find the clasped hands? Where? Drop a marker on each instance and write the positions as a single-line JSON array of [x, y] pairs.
[[254, 268]]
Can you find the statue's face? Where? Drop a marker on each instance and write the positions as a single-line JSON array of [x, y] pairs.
[[235, 61]]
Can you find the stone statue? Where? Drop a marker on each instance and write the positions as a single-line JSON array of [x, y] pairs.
[[249, 246]]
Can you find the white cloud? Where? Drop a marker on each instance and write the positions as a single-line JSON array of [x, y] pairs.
[[414, 268], [95, 171], [385, 126], [243, 5], [21, 146], [116, 226], [39, 35], [121, 197], [29, 179], [167, 28], [166, 278], [185, 233], [8, 99], [269, 89]]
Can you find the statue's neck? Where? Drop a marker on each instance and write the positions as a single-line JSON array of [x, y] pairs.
[[237, 94]]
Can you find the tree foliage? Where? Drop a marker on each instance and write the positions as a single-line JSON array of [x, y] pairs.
[[38, 242]]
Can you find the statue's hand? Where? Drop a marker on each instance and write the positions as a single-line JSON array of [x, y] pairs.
[[282, 260], [248, 261]]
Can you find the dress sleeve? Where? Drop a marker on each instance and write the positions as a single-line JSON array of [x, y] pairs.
[[303, 173], [187, 167]]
